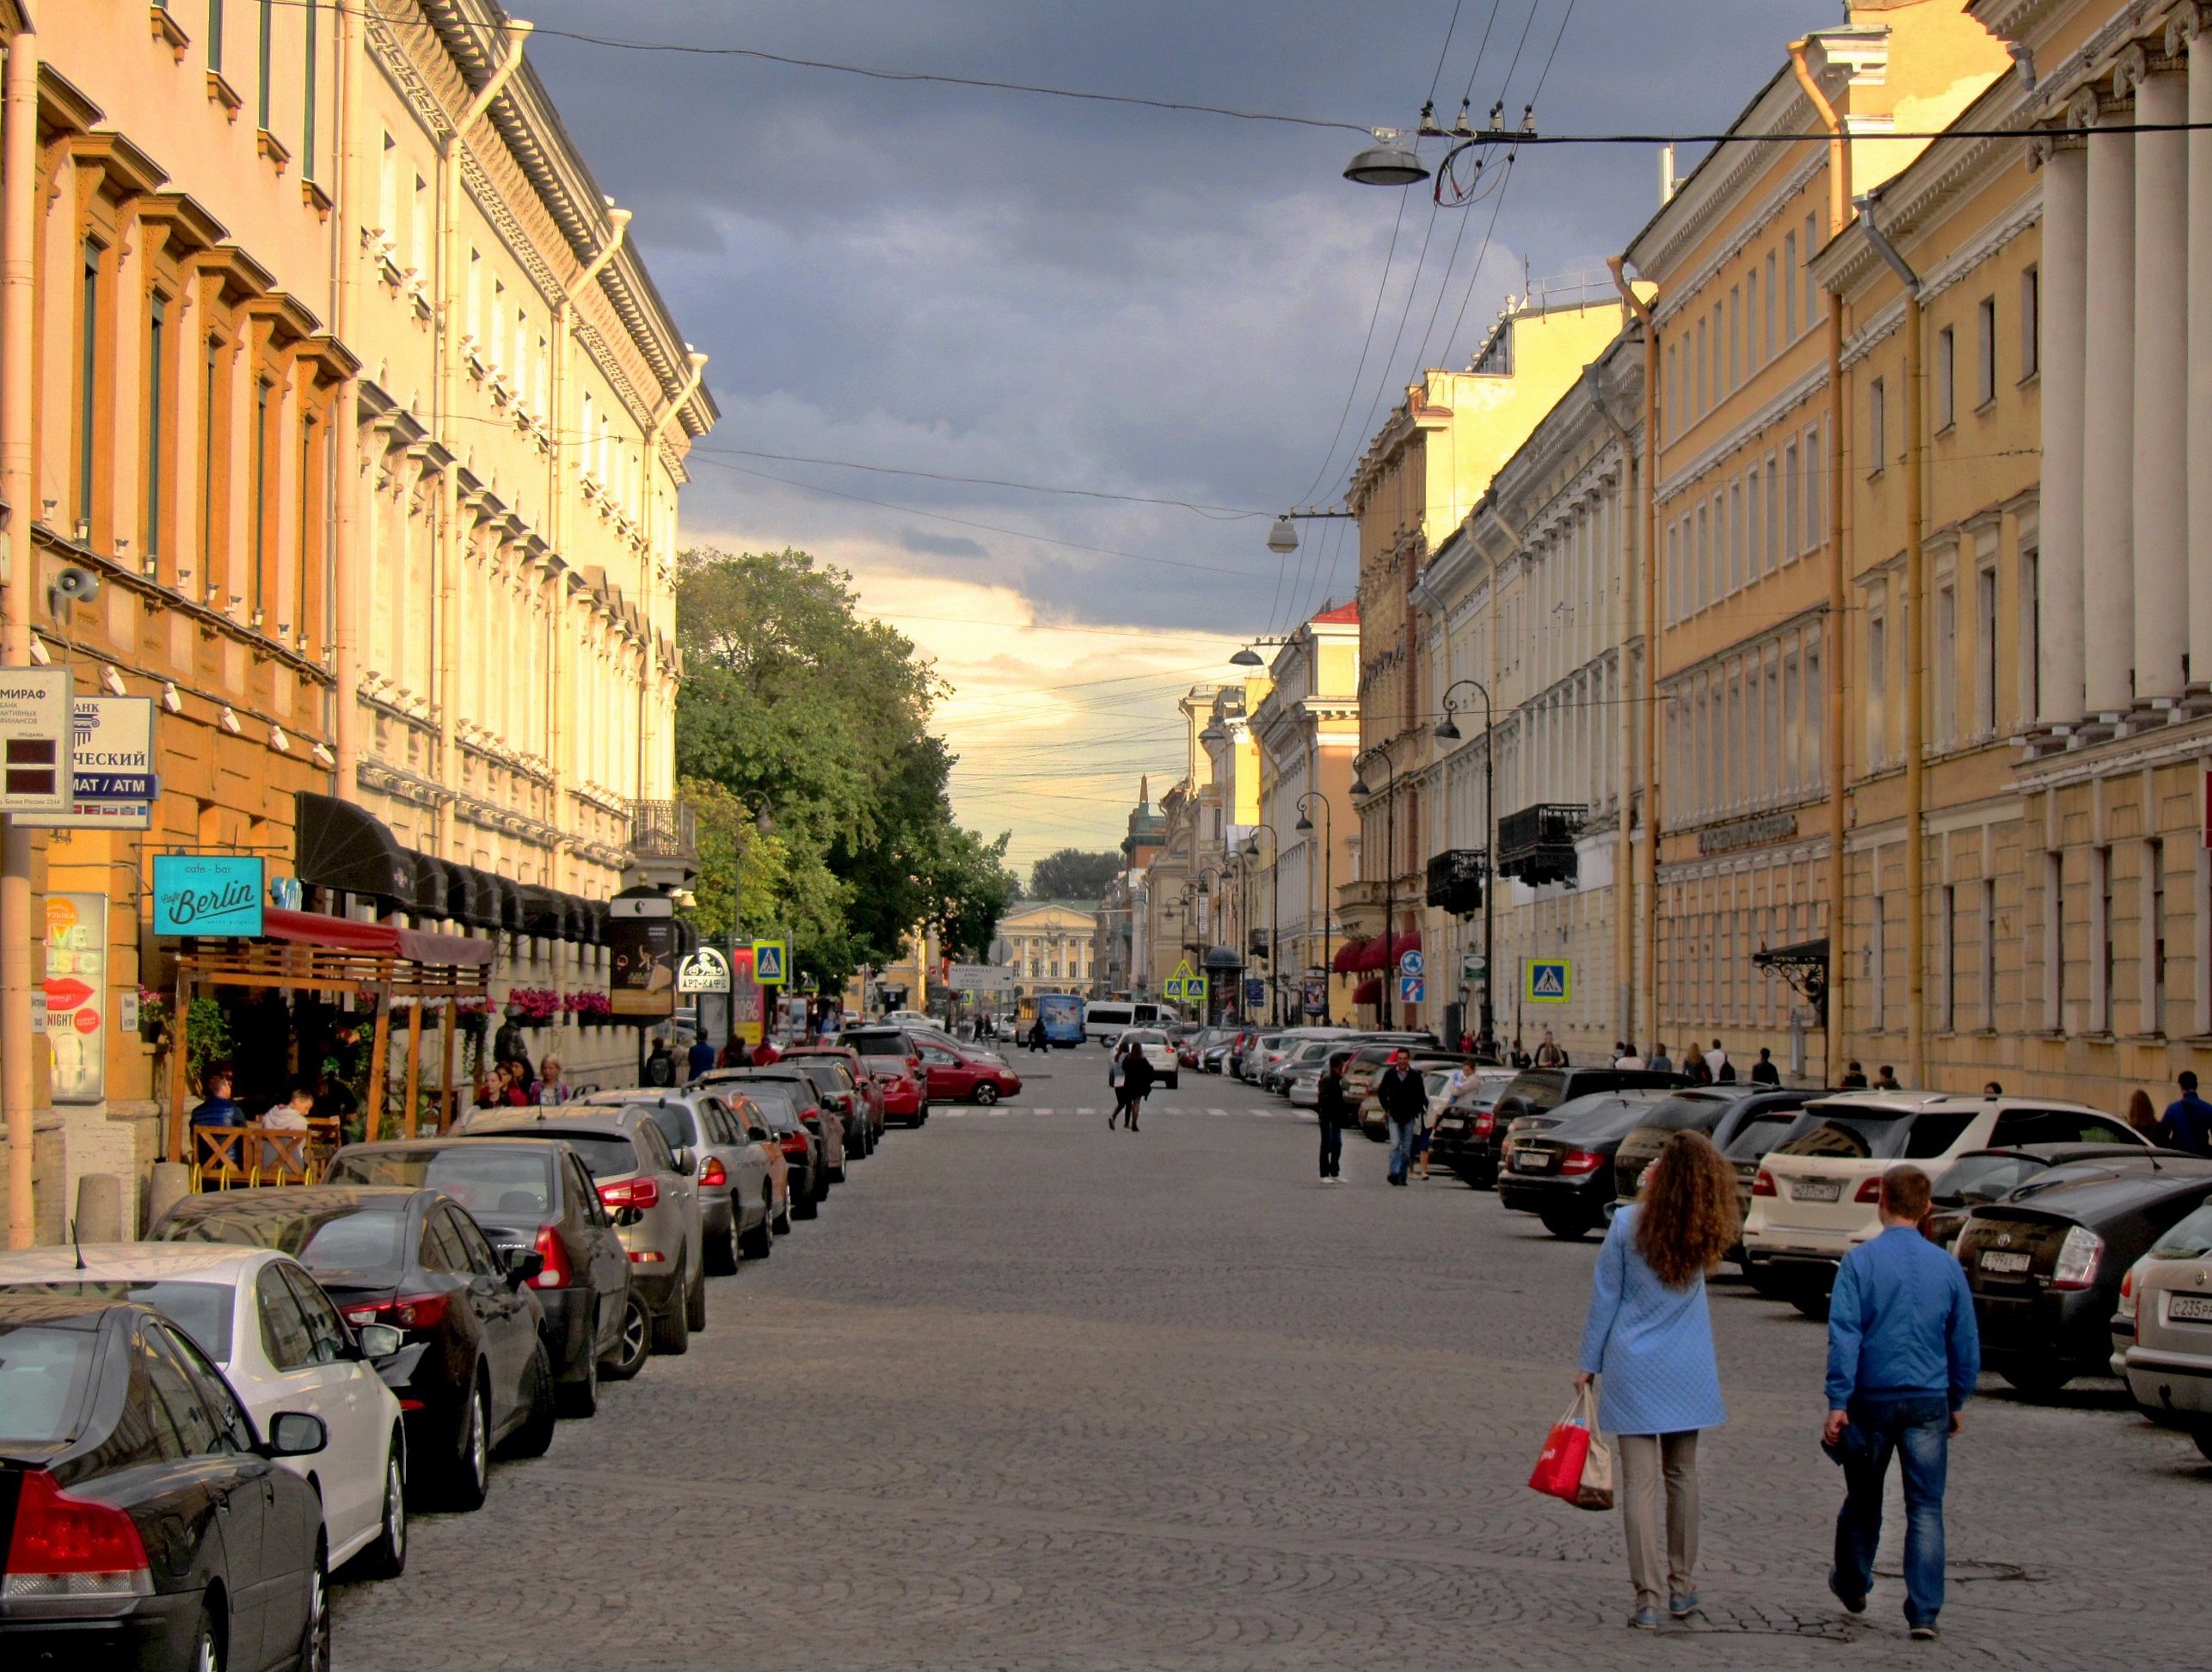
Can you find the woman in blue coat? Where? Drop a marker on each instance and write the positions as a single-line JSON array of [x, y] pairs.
[[1649, 1341]]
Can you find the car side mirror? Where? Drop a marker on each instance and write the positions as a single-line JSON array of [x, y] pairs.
[[760, 1135], [522, 1265], [296, 1433], [686, 1162], [379, 1340]]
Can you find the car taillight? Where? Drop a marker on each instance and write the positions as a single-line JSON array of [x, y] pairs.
[[410, 1311], [1580, 1161], [794, 1145], [2077, 1259], [631, 1193], [2127, 1307], [1869, 1191], [1764, 1184], [713, 1173], [1485, 1124], [556, 1272], [70, 1547]]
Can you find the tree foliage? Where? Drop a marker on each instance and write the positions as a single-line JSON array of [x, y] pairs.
[[1072, 873], [802, 735]]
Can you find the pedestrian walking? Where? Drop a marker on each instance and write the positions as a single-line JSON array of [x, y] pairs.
[[1118, 1076], [1854, 1078], [700, 1059], [1693, 1067], [2187, 1124], [1405, 1102], [1715, 1061], [1659, 1061], [1136, 1081], [1548, 1053], [1903, 1357], [1334, 1113], [1649, 1343], [737, 1053], [1885, 1080], [660, 1068], [2142, 1115], [1628, 1058], [1763, 1072]]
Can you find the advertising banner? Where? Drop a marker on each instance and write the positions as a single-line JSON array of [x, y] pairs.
[[705, 971], [76, 995], [111, 767], [643, 960], [747, 1013], [207, 894], [34, 740]]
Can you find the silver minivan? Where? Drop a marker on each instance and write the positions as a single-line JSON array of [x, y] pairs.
[[735, 1191], [653, 1192]]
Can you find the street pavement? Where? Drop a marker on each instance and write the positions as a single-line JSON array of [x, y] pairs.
[[1032, 1394]]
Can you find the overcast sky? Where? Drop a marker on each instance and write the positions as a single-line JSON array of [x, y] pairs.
[[1167, 305]]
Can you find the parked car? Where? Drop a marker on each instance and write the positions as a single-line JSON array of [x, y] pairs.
[[2162, 1332], [119, 1439], [281, 1345], [1106, 1019], [1814, 1197], [805, 1160], [1303, 1056], [2045, 1264], [652, 1195], [472, 1374], [1564, 1175], [839, 1094], [1292, 1045], [865, 1083], [819, 1123], [1981, 1176], [1538, 1091], [1214, 1058], [963, 1074], [1718, 1111], [896, 1062], [1157, 1052], [736, 1196], [1372, 1050], [528, 1193], [1463, 1138]]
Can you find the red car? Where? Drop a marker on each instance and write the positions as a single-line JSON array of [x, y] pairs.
[[960, 1076], [871, 1089], [895, 1061]]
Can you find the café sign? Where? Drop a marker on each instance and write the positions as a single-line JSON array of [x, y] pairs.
[[207, 894]]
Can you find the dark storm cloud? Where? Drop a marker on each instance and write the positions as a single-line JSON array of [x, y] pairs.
[[1170, 305]]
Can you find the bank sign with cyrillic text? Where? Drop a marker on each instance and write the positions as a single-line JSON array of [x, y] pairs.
[[207, 894]]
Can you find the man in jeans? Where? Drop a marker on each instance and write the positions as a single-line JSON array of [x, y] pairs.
[[1903, 1357], [1404, 1102]]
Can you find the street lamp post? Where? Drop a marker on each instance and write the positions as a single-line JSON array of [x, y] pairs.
[[1447, 732], [1328, 888], [1389, 861], [1275, 903]]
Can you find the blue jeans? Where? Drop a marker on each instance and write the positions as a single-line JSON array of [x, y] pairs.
[[1401, 1144], [1918, 1431]]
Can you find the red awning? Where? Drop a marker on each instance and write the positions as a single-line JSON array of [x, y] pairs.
[[1369, 991], [345, 935], [1347, 957]]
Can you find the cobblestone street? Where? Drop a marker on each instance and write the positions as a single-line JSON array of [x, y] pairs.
[[1031, 1394]]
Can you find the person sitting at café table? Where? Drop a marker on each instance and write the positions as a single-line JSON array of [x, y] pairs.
[[220, 1109], [290, 1116]]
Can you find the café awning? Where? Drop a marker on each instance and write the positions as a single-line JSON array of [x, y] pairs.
[[347, 848]]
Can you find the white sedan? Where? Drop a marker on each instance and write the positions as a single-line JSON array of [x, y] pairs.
[[283, 1347], [1159, 1051]]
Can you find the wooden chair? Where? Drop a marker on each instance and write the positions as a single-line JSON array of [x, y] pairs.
[[280, 1155], [219, 1158]]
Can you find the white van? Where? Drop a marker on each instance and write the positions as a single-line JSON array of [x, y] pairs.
[[1104, 1019]]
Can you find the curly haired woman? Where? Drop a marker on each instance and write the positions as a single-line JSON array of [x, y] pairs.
[[1649, 1338]]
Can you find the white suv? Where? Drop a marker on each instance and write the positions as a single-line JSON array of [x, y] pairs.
[[1817, 1197], [1158, 1052]]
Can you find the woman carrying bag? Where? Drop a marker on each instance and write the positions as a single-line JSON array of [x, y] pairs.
[[1649, 1340]]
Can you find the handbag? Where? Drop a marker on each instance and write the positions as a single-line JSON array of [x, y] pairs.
[[1575, 1465]]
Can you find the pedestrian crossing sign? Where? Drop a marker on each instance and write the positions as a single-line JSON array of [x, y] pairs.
[[768, 960], [1172, 988], [1194, 989], [1551, 981]]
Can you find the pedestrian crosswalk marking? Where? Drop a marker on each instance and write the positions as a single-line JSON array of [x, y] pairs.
[[1000, 1112]]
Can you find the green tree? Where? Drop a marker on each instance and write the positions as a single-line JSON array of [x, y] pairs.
[[1072, 873]]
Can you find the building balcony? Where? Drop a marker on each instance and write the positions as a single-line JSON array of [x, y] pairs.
[[1455, 881], [1537, 844], [664, 845]]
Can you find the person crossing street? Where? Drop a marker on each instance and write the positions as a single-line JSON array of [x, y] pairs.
[[1404, 1102], [1332, 1109]]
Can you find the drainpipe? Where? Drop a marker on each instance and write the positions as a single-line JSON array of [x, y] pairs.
[[345, 559], [19, 164], [1833, 741], [450, 269], [1647, 863], [1916, 928], [1627, 894]]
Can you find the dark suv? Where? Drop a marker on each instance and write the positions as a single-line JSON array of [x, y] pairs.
[[1718, 1111], [1535, 1093]]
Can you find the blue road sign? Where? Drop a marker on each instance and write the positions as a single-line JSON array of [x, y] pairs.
[[1410, 989]]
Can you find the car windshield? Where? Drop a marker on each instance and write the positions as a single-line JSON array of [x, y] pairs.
[[362, 1239], [1688, 1113], [778, 1104], [603, 1157], [1535, 1091], [202, 1311], [44, 1368], [1974, 1180], [491, 1182], [878, 1044], [2191, 1239]]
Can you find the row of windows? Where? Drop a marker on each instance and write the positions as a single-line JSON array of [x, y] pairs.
[[1707, 979], [1772, 303], [1943, 369], [1750, 525], [1750, 732], [268, 69]]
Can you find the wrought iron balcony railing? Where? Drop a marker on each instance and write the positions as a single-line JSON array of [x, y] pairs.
[[663, 830], [1537, 844]]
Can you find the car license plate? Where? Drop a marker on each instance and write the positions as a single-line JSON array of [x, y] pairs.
[[1525, 1162], [1817, 1190], [2192, 1309], [1994, 1259]]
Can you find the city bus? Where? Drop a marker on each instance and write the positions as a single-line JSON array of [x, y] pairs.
[[1062, 1015]]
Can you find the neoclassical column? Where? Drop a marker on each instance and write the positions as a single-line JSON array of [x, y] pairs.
[[2061, 356], [2109, 426], [2160, 509], [2190, 30]]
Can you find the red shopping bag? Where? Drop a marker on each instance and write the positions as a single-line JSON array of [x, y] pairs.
[[1558, 1471]]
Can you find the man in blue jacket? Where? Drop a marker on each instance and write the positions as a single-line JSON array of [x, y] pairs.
[[1903, 1357], [2188, 1122]]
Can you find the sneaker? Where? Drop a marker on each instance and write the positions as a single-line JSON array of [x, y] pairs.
[[1926, 1634], [1644, 1619], [1682, 1606], [1852, 1604]]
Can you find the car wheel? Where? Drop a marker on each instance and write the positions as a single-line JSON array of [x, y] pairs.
[[782, 1223], [1174, 1082], [760, 1242], [577, 1399], [314, 1641], [468, 1473], [807, 1202], [1567, 1227], [635, 1342], [1766, 1283], [2203, 1438], [724, 1251], [672, 1329], [387, 1558], [535, 1434], [987, 1094], [2037, 1382], [1811, 1300], [207, 1653], [695, 1304]]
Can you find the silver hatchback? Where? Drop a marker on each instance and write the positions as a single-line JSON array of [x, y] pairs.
[[736, 1196], [651, 1189]]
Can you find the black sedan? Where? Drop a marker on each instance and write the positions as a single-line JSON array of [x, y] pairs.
[[1718, 1111], [1563, 1173], [785, 1100], [2045, 1264], [472, 1374], [149, 1525], [1981, 1176], [526, 1193]]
